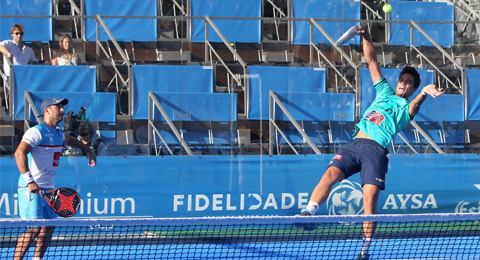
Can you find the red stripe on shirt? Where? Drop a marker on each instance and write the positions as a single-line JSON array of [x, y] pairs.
[[51, 145]]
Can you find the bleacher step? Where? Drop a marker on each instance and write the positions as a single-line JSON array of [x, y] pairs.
[[7, 130]]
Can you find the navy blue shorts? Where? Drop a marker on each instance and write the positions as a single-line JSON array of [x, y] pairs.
[[365, 156]]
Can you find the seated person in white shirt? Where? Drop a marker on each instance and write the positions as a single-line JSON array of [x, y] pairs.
[[16, 50], [66, 57]]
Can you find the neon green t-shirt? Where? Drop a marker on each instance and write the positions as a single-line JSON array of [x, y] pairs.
[[386, 116]]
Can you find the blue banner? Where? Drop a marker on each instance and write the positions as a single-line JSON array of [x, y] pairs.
[[36, 29], [262, 79], [420, 11], [473, 94], [122, 29], [50, 79], [344, 9], [193, 186], [167, 78], [240, 30]]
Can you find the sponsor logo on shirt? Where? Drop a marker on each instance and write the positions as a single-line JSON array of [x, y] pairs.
[[56, 158], [375, 117]]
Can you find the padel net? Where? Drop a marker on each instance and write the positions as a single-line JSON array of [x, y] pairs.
[[419, 236]]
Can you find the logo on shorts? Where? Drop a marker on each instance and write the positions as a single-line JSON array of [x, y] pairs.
[[337, 157], [380, 180], [346, 199], [375, 117]]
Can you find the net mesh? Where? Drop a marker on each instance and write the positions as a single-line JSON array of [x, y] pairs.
[[446, 236]]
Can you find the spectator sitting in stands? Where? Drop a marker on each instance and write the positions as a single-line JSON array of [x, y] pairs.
[[87, 137], [66, 57], [15, 50]]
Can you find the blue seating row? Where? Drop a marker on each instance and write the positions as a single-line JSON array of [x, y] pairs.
[[239, 30], [186, 93]]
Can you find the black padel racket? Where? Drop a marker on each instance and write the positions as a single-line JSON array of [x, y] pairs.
[[64, 201]]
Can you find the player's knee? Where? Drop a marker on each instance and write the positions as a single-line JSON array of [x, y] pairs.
[[333, 175]]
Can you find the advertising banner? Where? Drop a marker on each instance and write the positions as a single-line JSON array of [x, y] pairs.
[[193, 186]]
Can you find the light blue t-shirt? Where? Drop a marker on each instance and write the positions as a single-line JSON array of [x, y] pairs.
[[386, 116]]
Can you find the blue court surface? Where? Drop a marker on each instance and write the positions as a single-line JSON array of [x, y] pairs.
[[410, 248]]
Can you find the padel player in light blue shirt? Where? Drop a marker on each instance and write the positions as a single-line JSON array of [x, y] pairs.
[[389, 113]]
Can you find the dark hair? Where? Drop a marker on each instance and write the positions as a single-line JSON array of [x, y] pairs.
[[412, 71]]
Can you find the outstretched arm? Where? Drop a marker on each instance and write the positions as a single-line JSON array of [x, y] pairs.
[[418, 101], [92, 158], [370, 55]]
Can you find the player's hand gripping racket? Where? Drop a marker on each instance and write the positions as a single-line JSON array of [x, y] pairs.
[[347, 35], [65, 202]]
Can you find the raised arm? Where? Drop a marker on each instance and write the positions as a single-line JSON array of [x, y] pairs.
[[370, 54], [420, 98]]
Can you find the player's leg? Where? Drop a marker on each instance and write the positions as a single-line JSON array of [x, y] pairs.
[[344, 164], [24, 241], [30, 207], [321, 191], [373, 176], [43, 241], [370, 199]]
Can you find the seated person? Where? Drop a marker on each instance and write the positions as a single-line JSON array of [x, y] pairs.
[[16, 50], [66, 57], [87, 137]]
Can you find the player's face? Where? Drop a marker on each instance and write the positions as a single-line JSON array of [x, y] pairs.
[[405, 86], [55, 113], [17, 36]]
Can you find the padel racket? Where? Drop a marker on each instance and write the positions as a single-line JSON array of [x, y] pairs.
[[65, 202], [347, 35]]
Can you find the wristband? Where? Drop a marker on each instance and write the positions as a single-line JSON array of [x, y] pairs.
[[28, 177], [423, 92]]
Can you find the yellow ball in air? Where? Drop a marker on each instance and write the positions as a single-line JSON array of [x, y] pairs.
[[387, 8]]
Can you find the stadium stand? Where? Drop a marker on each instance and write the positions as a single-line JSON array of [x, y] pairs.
[[254, 45]]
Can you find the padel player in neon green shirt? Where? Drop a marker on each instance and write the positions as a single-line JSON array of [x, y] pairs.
[[389, 113]]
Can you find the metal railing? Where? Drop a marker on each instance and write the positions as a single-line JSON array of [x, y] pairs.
[[153, 131], [30, 106], [209, 48], [125, 82], [274, 101]]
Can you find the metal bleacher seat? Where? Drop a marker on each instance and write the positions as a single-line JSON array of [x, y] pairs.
[[167, 78], [67, 79], [203, 121], [326, 118], [262, 79]]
